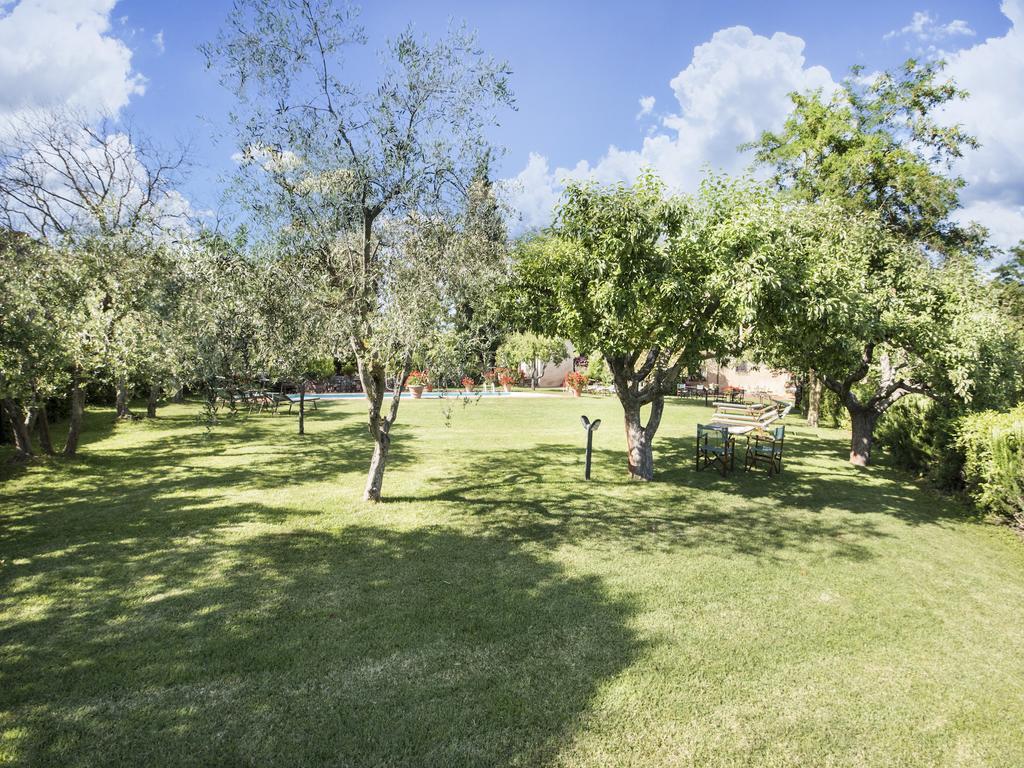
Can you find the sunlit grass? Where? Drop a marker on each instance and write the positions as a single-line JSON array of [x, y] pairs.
[[172, 598]]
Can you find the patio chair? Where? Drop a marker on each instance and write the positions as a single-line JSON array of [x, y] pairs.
[[294, 400], [765, 448], [715, 446]]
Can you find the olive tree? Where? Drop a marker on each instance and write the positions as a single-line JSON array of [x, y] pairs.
[[348, 171], [657, 283], [104, 198]]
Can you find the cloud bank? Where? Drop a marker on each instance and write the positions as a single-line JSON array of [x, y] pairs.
[[737, 84], [62, 53]]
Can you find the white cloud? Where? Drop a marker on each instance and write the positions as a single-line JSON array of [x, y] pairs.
[[62, 53], [158, 41], [735, 86], [646, 106], [993, 73], [926, 28]]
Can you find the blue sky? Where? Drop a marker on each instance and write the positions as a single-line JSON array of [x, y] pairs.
[[716, 72]]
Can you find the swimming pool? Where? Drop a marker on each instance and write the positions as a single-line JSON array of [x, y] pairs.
[[451, 394]]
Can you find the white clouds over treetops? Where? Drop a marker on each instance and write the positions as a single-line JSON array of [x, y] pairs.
[[735, 86], [993, 73], [61, 53]]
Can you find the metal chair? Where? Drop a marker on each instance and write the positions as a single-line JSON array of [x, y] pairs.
[[715, 446], [765, 448]]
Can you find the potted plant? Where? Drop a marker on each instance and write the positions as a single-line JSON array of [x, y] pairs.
[[489, 378], [468, 384], [416, 381], [575, 382], [506, 379]]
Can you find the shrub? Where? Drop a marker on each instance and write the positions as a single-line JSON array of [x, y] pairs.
[[993, 446], [418, 379], [597, 369], [920, 435], [467, 382], [576, 380]]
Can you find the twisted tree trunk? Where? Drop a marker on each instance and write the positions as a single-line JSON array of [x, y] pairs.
[[19, 428], [862, 422], [302, 407], [635, 388], [122, 411], [76, 397], [374, 378], [152, 400], [813, 399], [39, 420]]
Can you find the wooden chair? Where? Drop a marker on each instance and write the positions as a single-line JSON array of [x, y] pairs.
[[765, 448], [715, 446]]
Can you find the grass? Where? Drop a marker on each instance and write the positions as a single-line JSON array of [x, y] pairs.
[[172, 598]]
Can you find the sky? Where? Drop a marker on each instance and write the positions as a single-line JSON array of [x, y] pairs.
[[602, 89]]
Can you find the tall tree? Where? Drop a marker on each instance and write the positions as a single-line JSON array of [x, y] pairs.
[[350, 172], [657, 284], [106, 197], [876, 148]]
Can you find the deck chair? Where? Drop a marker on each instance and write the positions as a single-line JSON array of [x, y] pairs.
[[715, 446], [765, 447], [294, 400]]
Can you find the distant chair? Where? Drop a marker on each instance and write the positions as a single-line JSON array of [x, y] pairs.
[[766, 448], [715, 446]]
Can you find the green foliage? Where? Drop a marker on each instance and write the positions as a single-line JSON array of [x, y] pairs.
[[597, 369], [993, 446], [919, 434], [876, 145]]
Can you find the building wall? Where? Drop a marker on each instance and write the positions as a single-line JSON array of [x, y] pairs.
[[748, 376], [554, 373]]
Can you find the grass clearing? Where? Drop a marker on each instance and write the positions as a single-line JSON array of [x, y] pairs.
[[172, 598]]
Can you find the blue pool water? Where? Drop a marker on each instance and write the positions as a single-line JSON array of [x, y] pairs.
[[406, 394]]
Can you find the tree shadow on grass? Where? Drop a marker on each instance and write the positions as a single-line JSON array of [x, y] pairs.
[[818, 504], [363, 646], [170, 479]]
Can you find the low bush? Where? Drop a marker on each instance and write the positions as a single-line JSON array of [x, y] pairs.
[[919, 434], [993, 446]]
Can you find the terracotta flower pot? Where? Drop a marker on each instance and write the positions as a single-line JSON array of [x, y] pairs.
[[506, 387], [417, 391], [574, 392]]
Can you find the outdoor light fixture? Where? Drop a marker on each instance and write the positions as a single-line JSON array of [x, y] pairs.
[[591, 428]]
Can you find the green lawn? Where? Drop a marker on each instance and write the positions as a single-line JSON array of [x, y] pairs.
[[172, 598]]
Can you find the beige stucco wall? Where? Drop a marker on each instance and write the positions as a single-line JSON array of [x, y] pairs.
[[748, 376]]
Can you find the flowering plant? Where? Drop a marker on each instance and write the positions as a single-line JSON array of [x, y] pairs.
[[417, 378], [490, 376], [468, 382], [506, 376], [576, 381]]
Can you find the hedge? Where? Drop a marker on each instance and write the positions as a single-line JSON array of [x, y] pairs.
[[993, 446]]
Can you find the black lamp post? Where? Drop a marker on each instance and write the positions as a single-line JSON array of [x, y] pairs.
[[591, 427]]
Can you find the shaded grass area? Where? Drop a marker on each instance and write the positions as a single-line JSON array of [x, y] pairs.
[[175, 598]]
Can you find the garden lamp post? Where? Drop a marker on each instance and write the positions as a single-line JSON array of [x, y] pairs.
[[591, 427]]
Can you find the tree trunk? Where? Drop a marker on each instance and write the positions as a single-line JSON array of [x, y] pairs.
[[19, 428], [154, 396], [813, 400], [302, 407], [76, 397], [863, 428], [374, 378], [179, 393], [41, 422], [121, 402], [639, 448]]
